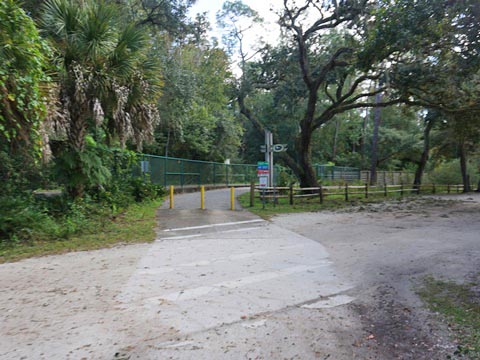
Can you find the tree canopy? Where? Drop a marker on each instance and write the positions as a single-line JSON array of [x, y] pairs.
[[348, 82]]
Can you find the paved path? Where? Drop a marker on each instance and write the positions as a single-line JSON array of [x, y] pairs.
[[223, 278], [216, 284]]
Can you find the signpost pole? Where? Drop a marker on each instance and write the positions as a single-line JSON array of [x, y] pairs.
[[265, 170], [269, 154]]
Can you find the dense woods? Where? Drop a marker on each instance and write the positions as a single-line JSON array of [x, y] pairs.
[[85, 85]]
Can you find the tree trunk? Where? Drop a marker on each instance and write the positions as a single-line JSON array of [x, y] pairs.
[[376, 126], [364, 136], [335, 140], [76, 143], [307, 175], [425, 154], [463, 167]]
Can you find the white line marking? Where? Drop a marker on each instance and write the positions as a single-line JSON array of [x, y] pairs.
[[193, 293], [214, 225], [181, 237], [208, 234]]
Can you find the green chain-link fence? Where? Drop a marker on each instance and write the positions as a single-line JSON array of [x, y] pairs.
[[182, 172], [331, 172]]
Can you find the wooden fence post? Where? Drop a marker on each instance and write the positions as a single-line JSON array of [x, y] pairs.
[[320, 193], [434, 190], [291, 194], [346, 192], [401, 188], [366, 190], [448, 188], [252, 193], [385, 190]]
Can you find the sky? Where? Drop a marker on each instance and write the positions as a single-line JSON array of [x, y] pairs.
[[263, 7]]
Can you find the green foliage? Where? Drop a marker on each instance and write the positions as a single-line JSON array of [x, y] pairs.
[[135, 224], [448, 172], [22, 63], [25, 218], [20, 173], [21, 221], [197, 122], [169, 17], [87, 168], [107, 81], [142, 190], [125, 185], [284, 176], [458, 303]]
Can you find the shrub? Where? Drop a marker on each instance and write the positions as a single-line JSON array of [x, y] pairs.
[[448, 172], [22, 221]]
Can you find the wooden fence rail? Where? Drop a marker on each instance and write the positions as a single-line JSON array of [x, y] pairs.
[[322, 192]]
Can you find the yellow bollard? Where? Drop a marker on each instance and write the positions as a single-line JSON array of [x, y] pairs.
[[232, 198], [202, 197], [171, 197]]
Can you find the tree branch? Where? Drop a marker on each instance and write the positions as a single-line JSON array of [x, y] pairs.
[[357, 83]]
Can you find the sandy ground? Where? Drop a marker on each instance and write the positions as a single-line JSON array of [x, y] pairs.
[[386, 250], [345, 289]]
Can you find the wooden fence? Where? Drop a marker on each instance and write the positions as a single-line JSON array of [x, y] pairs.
[[346, 191]]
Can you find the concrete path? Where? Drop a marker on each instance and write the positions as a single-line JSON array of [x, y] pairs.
[[222, 278], [216, 284]]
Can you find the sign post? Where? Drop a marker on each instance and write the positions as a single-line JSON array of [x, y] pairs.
[[263, 174], [269, 148]]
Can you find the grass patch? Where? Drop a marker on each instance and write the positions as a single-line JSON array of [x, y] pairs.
[[134, 225], [333, 202], [460, 306]]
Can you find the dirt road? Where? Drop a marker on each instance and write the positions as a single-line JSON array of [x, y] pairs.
[[385, 251], [218, 284]]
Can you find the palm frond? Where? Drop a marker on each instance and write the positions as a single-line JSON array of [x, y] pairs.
[[61, 19], [97, 33], [128, 51]]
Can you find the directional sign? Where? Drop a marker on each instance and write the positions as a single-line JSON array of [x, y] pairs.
[[279, 147], [262, 173], [263, 148], [262, 165]]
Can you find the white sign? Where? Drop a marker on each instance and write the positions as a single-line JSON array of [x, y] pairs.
[[263, 181], [279, 147]]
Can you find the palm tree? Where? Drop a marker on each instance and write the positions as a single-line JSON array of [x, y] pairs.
[[103, 73]]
